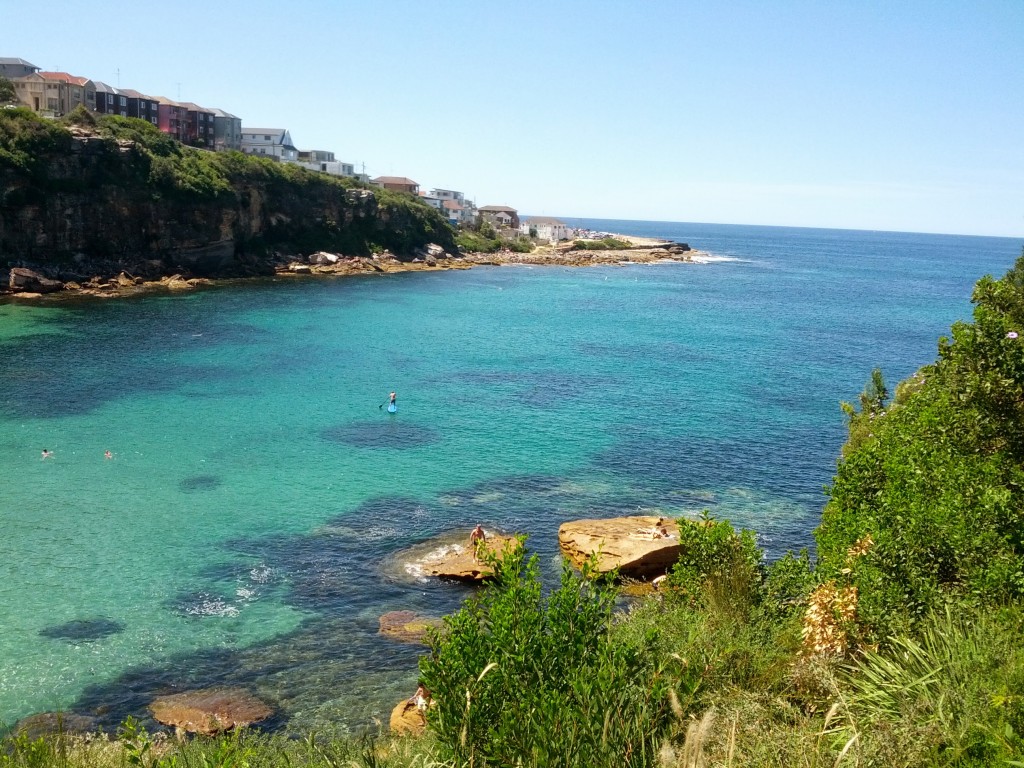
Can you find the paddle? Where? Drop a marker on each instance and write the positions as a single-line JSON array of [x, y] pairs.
[[383, 404]]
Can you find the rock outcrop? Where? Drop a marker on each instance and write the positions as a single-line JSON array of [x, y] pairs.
[[641, 547], [85, 205], [407, 718], [210, 710], [25, 280], [407, 626], [460, 563]]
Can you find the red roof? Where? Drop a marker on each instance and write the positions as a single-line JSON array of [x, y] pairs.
[[63, 77], [452, 205], [396, 180]]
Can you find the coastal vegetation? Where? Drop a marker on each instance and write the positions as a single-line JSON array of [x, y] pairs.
[[604, 244], [482, 237]]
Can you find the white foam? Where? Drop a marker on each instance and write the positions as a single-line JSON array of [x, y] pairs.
[[711, 258], [211, 606]]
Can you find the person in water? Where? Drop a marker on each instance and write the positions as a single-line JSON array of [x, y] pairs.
[[108, 455], [47, 454], [392, 400]]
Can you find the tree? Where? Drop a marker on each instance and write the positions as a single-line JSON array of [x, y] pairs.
[[7, 92]]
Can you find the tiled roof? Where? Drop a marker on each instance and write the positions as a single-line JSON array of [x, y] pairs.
[[545, 220], [102, 87], [17, 62], [63, 77], [267, 131], [497, 208], [452, 205], [395, 180]]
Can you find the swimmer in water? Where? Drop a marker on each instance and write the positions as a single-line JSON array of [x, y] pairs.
[[108, 455], [47, 454]]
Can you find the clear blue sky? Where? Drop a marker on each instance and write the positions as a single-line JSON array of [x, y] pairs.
[[861, 114]]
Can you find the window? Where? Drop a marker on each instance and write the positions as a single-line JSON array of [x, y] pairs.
[[266, 138], [153, 120], [122, 101], [110, 99], [123, 113]]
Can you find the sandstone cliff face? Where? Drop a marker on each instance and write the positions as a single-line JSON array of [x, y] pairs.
[[93, 208]]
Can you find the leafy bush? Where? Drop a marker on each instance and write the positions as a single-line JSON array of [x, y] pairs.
[[713, 553], [520, 679], [605, 244], [927, 505]]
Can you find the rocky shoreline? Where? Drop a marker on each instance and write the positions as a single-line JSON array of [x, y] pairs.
[[27, 284]]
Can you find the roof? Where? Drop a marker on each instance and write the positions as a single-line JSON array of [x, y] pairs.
[[17, 62], [102, 87], [496, 209], [221, 113], [194, 107], [545, 220], [168, 102], [268, 131], [134, 94], [395, 180], [64, 77], [452, 205]]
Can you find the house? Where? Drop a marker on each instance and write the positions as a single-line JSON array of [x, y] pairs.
[[138, 105], [500, 216], [200, 125], [454, 211], [12, 68], [227, 131], [448, 194], [54, 93], [545, 228], [275, 143], [323, 161], [172, 118], [432, 201], [106, 100], [398, 184]]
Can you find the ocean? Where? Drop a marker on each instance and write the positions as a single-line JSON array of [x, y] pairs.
[[257, 513]]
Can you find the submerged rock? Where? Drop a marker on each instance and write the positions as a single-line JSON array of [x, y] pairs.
[[53, 723], [210, 710], [640, 546], [407, 626]]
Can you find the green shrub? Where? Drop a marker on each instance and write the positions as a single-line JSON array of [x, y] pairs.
[[520, 679], [713, 553], [952, 695], [927, 504], [605, 244]]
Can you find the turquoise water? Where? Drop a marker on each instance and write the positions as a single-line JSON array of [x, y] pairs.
[[250, 526]]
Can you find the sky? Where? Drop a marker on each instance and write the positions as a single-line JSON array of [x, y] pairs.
[[905, 116]]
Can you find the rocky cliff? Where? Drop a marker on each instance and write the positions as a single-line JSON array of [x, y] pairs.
[[98, 199]]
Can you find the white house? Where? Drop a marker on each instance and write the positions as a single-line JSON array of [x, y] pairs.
[[269, 142], [546, 228], [323, 161]]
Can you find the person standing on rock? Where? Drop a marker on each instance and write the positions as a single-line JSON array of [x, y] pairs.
[[476, 539]]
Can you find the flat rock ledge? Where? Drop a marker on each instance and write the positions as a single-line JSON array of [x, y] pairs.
[[210, 710], [458, 562], [408, 626], [634, 545]]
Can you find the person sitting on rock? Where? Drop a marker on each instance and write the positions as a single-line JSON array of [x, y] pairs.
[[421, 698]]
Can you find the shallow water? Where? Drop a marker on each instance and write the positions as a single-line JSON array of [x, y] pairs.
[[246, 529]]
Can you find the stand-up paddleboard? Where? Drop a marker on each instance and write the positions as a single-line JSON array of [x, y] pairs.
[[392, 408]]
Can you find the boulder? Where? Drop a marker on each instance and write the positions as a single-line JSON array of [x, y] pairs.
[[210, 710], [43, 724], [300, 269], [634, 545], [407, 718], [25, 280], [407, 626], [458, 562], [323, 258]]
